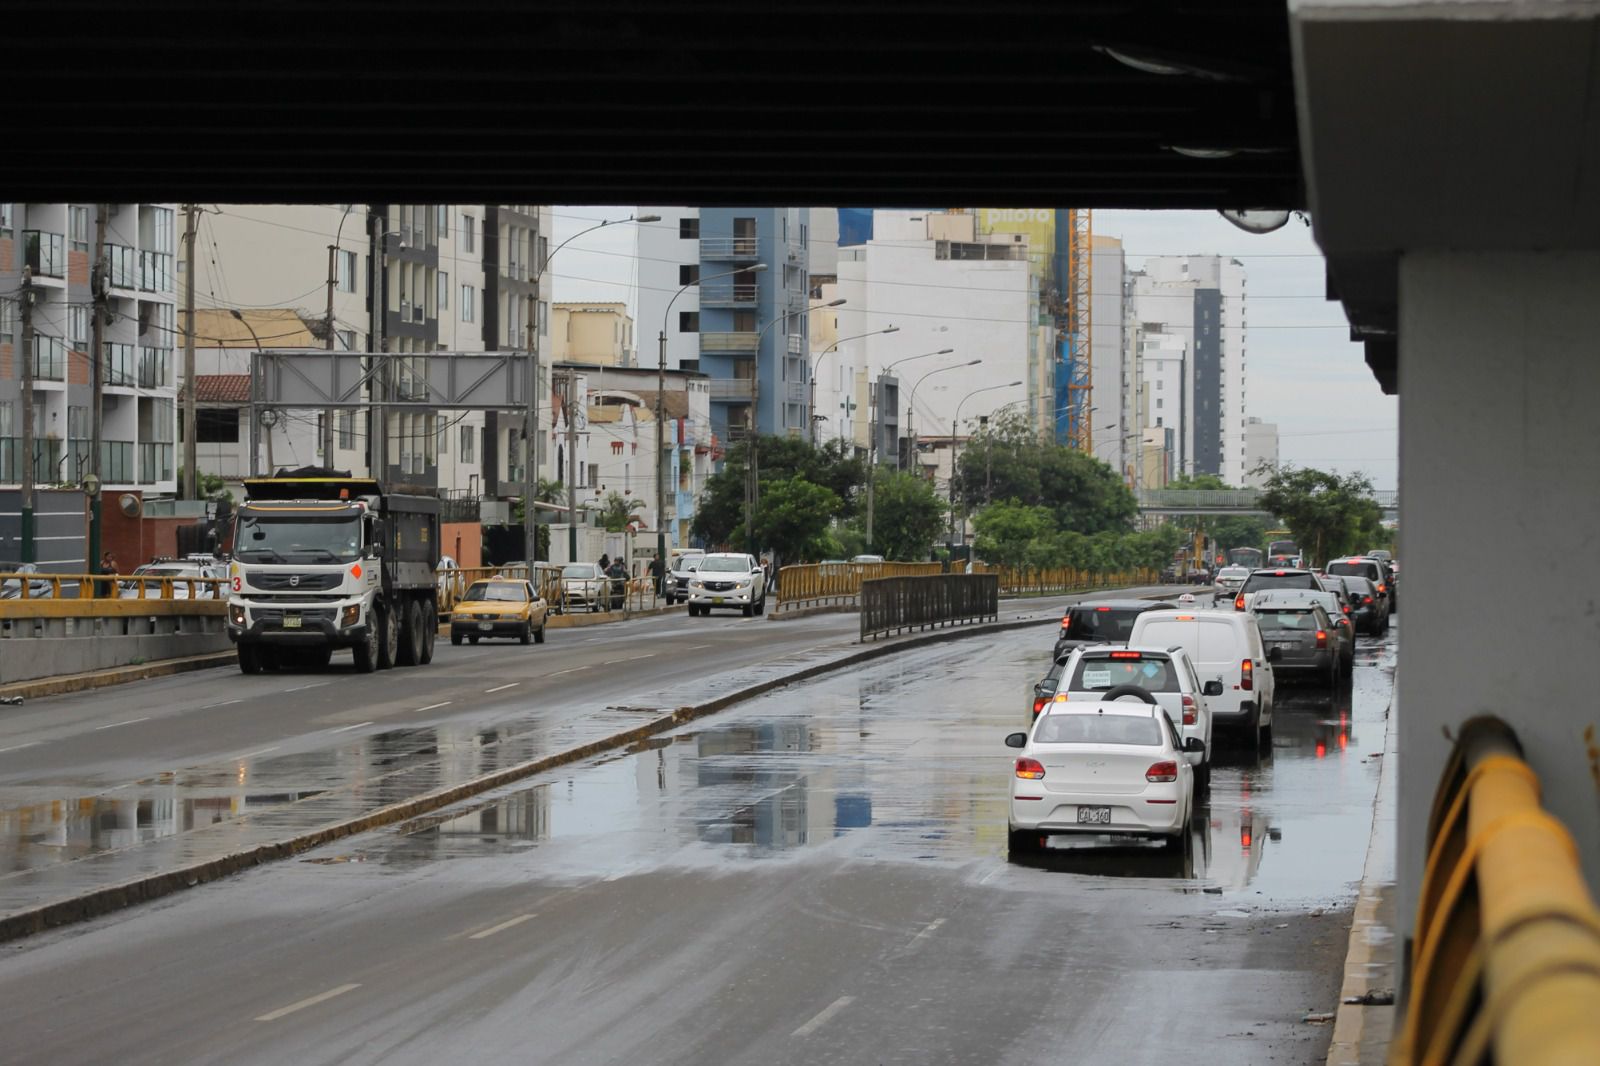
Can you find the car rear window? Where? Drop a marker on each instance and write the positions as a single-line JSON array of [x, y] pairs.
[[1258, 581], [1098, 729], [1101, 623], [1099, 673], [1353, 569], [498, 591], [1286, 618]]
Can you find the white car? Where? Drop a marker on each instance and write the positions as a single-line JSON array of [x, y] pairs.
[[180, 573], [728, 579], [585, 585], [1225, 646], [1227, 584], [1107, 767], [683, 570], [1094, 674]]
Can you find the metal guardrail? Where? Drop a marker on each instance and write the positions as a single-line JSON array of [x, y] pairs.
[[891, 605], [21, 588], [837, 584], [1064, 579], [636, 594], [1505, 967]]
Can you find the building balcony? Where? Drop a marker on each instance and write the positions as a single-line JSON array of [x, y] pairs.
[[727, 294], [730, 390], [49, 358], [730, 249], [45, 253], [155, 272], [729, 343], [123, 264], [155, 463], [155, 368]]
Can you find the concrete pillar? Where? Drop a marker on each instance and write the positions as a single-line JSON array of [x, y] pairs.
[[1500, 526]]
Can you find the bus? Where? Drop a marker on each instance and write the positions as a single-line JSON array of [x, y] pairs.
[[1282, 552], [1254, 558]]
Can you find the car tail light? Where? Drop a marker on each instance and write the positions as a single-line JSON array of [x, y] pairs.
[[1247, 679], [1322, 638], [1244, 837], [1380, 586], [1038, 705], [1188, 710], [1031, 769], [1238, 602], [1161, 771], [1347, 608], [1127, 655], [1366, 599], [1102, 608]]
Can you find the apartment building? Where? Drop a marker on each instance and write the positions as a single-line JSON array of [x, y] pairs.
[[599, 333]]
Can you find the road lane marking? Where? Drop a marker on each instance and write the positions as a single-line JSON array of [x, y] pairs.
[[493, 929], [347, 728], [636, 658], [113, 725], [927, 931], [501, 688], [311, 1001], [262, 751], [700, 647], [19, 747], [302, 688], [225, 703], [574, 670], [823, 1015], [433, 707]]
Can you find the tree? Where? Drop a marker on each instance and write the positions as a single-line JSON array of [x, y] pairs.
[[908, 516], [617, 510], [719, 516], [1324, 511], [793, 518], [1007, 461], [1009, 533], [1199, 481], [544, 491]]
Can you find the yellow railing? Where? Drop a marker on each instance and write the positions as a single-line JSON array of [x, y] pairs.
[[1066, 579], [21, 587], [822, 582], [638, 593], [1505, 965]]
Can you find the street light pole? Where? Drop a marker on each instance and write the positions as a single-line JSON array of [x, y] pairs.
[[911, 403], [661, 391], [824, 354], [954, 422], [874, 401]]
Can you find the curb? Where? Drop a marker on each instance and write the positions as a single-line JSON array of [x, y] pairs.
[[117, 675], [104, 900]]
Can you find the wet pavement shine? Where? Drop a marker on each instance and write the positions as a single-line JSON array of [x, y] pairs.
[[816, 875]]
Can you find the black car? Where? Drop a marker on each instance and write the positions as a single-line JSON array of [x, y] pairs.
[[1369, 612], [1101, 622], [1044, 689]]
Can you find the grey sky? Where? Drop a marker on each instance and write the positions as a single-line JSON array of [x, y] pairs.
[[1304, 372]]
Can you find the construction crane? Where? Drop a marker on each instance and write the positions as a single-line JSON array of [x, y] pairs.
[[1075, 368]]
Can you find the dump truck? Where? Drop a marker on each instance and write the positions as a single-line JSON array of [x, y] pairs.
[[322, 561]]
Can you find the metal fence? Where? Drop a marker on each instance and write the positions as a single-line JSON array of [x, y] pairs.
[[1505, 966], [18, 587], [837, 584], [891, 605], [1064, 579], [622, 594]]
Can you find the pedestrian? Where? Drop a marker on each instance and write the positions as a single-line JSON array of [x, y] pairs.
[[108, 565], [656, 575], [605, 562]]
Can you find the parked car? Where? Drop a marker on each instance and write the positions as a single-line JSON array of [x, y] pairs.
[[1102, 767], [1105, 673], [1227, 583], [1302, 634], [1225, 646], [1277, 578], [11, 588], [186, 582], [728, 579], [684, 567], [499, 607], [1369, 610], [585, 585], [1100, 622]]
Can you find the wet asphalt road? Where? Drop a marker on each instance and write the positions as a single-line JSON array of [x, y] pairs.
[[815, 876]]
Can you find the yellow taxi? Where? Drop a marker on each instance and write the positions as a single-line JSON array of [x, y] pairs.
[[499, 607]]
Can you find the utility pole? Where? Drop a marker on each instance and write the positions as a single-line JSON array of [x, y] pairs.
[[873, 388], [530, 442], [572, 468], [28, 356], [97, 286], [378, 299], [327, 415], [191, 476], [662, 466]]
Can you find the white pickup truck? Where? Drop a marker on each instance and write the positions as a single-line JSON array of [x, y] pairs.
[[728, 579]]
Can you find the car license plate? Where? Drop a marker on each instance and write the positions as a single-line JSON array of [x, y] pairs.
[[485, 625], [291, 621], [716, 599], [1094, 815]]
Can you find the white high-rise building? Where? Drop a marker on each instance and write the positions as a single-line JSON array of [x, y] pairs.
[[1260, 452]]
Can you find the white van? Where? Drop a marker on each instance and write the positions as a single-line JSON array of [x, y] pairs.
[[1225, 646]]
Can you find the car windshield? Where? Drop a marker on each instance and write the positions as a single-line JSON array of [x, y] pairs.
[[503, 591], [271, 539], [1353, 569], [585, 570], [1270, 580], [1098, 729], [725, 564], [1101, 623], [687, 564], [1099, 673], [1233, 573], [1286, 618]]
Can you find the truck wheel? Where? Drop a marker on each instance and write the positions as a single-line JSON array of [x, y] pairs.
[[271, 658], [411, 634], [388, 638], [249, 659], [430, 632], [366, 653]]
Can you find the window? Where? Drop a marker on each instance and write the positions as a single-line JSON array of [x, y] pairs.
[[78, 328], [8, 322], [347, 339], [444, 291], [441, 219], [8, 219], [594, 475], [1160, 384], [689, 229], [544, 317], [469, 304], [345, 272], [688, 321], [544, 251], [469, 236], [1080, 728], [218, 425], [346, 425], [469, 435], [1158, 405], [77, 423], [78, 228], [689, 274], [443, 445]]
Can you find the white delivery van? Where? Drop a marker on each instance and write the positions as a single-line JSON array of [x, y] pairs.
[[1225, 646]]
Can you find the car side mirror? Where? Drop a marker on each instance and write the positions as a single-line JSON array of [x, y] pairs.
[[1017, 740], [1212, 688], [1274, 655], [1194, 746]]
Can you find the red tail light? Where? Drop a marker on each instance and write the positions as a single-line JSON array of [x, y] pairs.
[[1030, 769], [1322, 638], [1189, 711], [1038, 704], [1244, 837], [1366, 599], [1238, 602], [1247, 680], [1127, 655], [1162, 771], [1380, 586], [1347, 608]]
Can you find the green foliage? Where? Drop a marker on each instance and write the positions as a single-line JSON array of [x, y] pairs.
[[1016, 534], [1199, 481], [719, 516], [794, 517], [1329, 515], [212, 486], [1007, 462], [908, 516], [1025, 537], [617, 510]]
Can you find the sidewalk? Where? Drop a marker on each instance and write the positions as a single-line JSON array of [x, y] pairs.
[[1362, 1031]]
